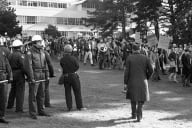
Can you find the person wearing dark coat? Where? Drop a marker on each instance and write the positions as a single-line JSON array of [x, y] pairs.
[[17, 91], [186, 68], [138, 71], [71, 80], [5, 74], [35, 66]]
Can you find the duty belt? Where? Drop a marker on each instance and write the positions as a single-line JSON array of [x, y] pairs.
[[67, 74], [40, 70]]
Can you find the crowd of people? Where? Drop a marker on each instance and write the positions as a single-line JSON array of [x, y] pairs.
[[110, 53], [30, 60]]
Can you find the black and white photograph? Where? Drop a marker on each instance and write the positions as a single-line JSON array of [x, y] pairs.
[[95, 63]]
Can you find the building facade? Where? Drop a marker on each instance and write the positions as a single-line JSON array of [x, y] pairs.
[[67, 15]]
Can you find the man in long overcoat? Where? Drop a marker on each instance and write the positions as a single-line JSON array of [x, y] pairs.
[[138, 71]]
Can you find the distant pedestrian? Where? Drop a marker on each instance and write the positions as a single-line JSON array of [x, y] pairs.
[[138, 71]]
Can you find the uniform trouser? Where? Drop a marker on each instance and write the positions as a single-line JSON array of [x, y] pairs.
[[47, 96], [17, 92], [136, 107], [36, 95], [3, 99], [72, 82], [88, 54]]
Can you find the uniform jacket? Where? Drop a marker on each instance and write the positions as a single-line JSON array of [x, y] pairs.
[[16, 60], [138, 70], [35, 64], [5, 50], [5, 68]]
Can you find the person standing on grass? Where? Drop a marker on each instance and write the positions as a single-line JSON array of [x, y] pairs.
[[17, 91], [138, 71], [71, 80], [35, 66], [5, 74]]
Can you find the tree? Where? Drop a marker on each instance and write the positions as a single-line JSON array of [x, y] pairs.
[[3, 5], [125, 8], [109, 15], [147, 11], [8, 22], [52, 31], [177, 14]]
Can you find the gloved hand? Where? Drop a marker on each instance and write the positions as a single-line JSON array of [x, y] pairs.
[[52, 76], [10, 80], [32, 81]]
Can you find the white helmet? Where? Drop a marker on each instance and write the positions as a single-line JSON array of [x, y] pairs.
[[37, 38], [68, 48], [17, 43]]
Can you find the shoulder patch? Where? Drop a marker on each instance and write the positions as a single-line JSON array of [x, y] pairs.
[[3, 53]]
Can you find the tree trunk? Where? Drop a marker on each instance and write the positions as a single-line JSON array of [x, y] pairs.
[[157, 29], [173, 22], [123, 23]]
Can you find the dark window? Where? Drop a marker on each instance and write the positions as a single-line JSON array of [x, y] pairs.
[[31, 19], [34, 4]]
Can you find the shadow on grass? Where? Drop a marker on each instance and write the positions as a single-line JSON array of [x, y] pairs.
[[171, 98], [186, 117]]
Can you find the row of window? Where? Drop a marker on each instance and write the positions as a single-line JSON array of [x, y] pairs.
[[38, 3], [49, 20], [63, 33], [89, 5]]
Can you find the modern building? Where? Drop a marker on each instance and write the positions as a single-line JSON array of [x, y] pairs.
[[67, 15]]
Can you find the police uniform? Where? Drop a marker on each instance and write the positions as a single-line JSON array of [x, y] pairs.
[[51, 74], [36, 69], [17, 91], [5, 74], [70, 65]]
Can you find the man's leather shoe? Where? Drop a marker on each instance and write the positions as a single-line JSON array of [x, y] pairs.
[[48, 106], [9, 107], [34, 117], [21, 111], [133, 117], [3, 121], [44, 114], [81, 109], [139, 118]]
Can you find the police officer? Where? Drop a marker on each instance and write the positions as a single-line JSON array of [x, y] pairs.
[[17, 91], [5, 74], [70, 65], [36, 69]]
